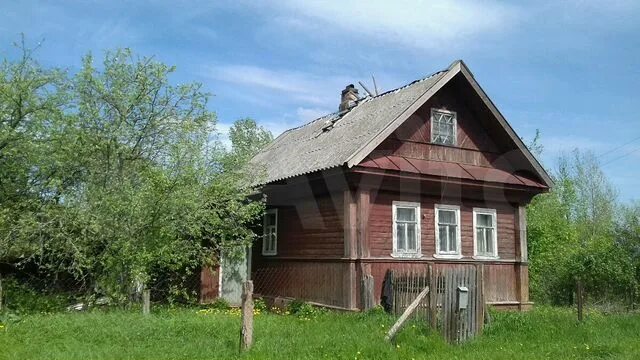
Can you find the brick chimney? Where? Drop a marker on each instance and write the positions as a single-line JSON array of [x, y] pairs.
[[349, 98]]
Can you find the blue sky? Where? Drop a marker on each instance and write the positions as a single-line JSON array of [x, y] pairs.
[[570, 68]]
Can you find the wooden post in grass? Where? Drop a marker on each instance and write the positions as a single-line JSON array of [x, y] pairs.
[[367, 293], [246, 333], [579, 298], [407, 313], [146, 302], [433, 299]]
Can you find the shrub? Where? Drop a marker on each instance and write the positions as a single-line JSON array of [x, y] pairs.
[[303, 309], [259, 304], [20, 298], [376, 311], [220, 304]]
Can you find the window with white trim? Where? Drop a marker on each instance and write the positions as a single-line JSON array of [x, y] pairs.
[[448, 231], [443, 127], [406, 229], [270, 233], [485, 233]]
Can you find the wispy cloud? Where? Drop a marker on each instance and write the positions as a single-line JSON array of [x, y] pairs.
[[285, 85], [308, 114], [420, 24]]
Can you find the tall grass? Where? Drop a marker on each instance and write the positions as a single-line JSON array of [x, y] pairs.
[[544, 333]]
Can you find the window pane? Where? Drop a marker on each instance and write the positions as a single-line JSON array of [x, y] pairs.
[[401, 235], [411, 237], [489, 240], [406, 214], [485, 220], [481, 241], [271, 219], [453, 243], [449, 141], [442, 232], [446, 217], [448, 129]]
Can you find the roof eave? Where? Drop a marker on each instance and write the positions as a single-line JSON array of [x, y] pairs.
[[539, 169]]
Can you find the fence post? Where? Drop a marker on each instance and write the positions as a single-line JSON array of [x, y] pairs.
[[246, 333], [433, 298], [367, 292], [580, 298], [482, 305], [146, 302]]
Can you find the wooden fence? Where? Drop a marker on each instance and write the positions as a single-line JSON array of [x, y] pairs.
[[441, 308]]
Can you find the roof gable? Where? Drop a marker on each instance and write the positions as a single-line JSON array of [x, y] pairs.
[[348, 138]]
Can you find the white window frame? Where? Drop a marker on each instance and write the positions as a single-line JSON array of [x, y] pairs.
[[455, 126], [265, 251], [403, 253], [494, 214], [449, 254]]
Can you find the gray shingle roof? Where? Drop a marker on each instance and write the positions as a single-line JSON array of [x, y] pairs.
[[331, 140]]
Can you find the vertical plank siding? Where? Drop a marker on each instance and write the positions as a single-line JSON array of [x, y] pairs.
[[209, 284], [320, 282], [500, 283]]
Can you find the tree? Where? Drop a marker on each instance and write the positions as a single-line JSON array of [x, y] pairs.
[[120, 185], [247, 139], [571, 235], [32, 102], [628, 237]]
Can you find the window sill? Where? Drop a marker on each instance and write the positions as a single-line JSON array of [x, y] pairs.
[[406, 256], [269, 254], [485, 257], [448, 256]]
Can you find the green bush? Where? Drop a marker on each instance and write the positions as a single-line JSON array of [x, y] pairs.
[[20, 298], [376, 311], [220, 304], [304, 309]]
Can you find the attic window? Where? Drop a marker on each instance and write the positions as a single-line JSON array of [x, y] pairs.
[[443, 127]]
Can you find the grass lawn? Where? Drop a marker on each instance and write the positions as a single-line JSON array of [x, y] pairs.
[[544, 333]]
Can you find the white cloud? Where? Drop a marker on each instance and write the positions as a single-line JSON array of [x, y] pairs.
[[289, 86], [420, 24], [308, 114]]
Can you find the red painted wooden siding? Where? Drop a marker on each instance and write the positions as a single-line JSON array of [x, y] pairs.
[[381, 224], [413, 138], [309, 227]]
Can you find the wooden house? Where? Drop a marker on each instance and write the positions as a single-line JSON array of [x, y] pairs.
[[430, 172]]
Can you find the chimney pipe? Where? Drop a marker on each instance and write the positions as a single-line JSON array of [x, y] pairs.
[[348, 98]]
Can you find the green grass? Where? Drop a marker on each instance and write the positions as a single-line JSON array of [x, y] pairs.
[[544, 333]]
